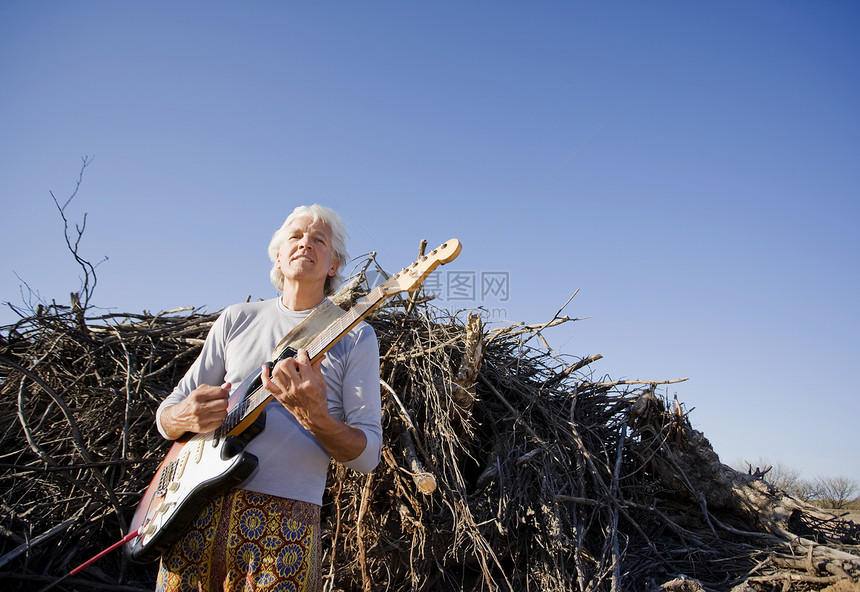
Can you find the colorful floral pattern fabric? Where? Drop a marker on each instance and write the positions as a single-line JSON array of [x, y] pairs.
[[247, 541]]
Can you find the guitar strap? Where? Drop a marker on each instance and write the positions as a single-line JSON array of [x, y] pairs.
[[302, 334]]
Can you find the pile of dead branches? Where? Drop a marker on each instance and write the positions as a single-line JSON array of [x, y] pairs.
[[76, 434], [505, 467]]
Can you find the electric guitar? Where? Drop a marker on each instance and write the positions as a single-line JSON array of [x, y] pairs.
[[200, 466]]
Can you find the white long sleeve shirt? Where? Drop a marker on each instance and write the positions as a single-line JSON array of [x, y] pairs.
[[292, 463]]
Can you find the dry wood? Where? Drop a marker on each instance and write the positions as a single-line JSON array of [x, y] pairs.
[[505, 466]]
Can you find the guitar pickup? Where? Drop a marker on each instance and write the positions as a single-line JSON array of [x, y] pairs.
[[198, 451]]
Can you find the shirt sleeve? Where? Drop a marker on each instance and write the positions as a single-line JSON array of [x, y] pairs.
[[362, 406], [208, 368]]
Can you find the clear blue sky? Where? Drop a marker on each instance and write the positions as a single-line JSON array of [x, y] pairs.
[[690, 168]]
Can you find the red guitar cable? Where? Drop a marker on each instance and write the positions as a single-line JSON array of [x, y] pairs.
[[125, 539], [89, 562]]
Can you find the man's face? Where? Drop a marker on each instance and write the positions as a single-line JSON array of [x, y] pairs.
[[306, 255]]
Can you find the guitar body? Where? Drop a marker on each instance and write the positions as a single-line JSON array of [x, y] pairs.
[[192, 473]]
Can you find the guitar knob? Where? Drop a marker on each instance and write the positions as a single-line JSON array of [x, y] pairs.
[[147, 528]]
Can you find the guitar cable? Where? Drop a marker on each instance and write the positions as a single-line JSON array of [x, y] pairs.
[[130, 536]]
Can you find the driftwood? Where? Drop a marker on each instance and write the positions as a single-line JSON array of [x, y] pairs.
[[505, 467]]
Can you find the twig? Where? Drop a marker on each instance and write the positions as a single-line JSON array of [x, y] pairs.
[[35, 541], [510, 407]]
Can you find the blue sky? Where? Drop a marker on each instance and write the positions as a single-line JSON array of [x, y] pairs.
[[690, 168]]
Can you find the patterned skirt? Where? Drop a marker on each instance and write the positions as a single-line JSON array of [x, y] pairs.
[[247, 541]]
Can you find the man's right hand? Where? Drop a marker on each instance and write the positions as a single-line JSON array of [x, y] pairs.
[[203, 410]]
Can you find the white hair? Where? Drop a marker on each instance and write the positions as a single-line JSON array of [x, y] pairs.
[[338, 232]]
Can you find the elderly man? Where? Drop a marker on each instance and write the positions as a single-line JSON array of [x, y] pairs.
[[265, 533]]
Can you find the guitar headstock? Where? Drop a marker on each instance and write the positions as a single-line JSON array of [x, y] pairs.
[[409, 278]]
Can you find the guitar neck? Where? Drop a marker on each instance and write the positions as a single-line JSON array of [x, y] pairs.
[[251, 402], [333, 333]]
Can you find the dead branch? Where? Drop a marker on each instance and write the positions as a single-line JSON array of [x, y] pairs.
[[505, 466]]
